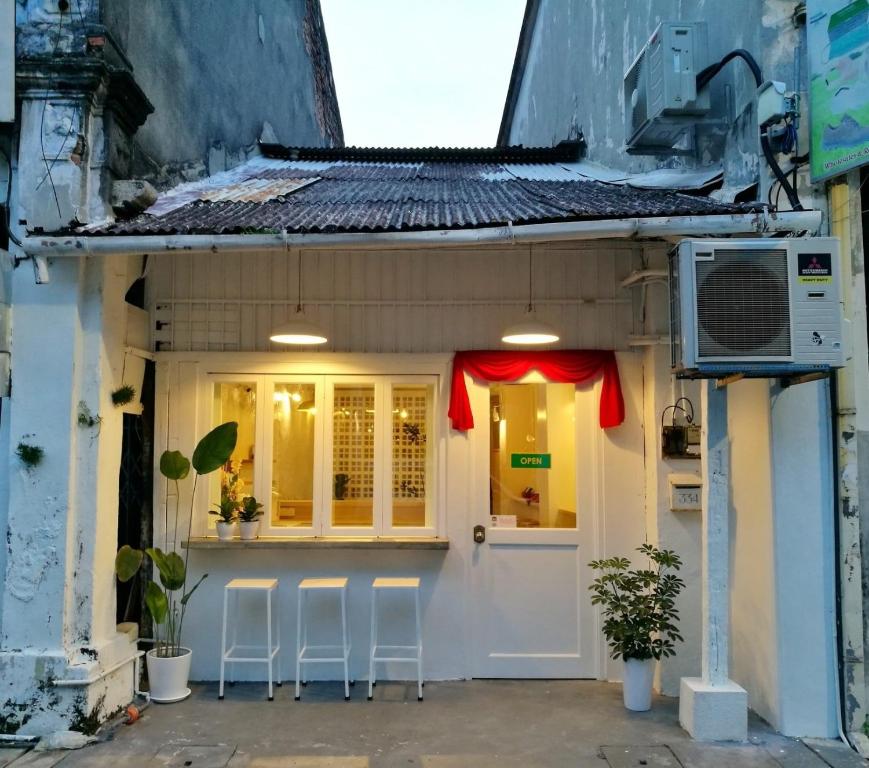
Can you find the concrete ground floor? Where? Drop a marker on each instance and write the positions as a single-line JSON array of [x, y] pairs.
[[472, 724]]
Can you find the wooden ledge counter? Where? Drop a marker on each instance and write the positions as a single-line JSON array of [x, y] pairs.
[[318, 542]]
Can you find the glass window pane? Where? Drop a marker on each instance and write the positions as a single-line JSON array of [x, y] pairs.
[[533, 455], [353, 455], [292, 501], [411, 454], [235, 401]]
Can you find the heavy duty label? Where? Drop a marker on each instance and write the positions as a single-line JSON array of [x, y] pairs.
[[815, 268]]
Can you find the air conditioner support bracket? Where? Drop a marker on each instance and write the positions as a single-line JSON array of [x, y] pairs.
[[804, 378], [731, 379]]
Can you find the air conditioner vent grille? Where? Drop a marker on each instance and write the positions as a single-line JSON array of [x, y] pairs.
[[743, 306]]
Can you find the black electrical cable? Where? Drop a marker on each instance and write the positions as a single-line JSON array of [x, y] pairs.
[[7, 202], [791, 193], [703, 79], [833, 388]]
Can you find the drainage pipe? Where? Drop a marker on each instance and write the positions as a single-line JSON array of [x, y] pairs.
[[90, 679], [759, 223]]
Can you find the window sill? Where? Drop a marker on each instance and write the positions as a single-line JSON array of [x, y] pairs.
[[319, 542]]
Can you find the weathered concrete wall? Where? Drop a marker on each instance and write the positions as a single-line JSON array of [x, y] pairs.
[[215, 71], [580, 52]]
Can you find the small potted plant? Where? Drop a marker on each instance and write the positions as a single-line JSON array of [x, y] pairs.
[[639, 612], [248, 517], [225, 511]]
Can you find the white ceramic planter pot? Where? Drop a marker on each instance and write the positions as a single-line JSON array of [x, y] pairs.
[[168, 676], [249, 530], [637, 687], [225, 531]]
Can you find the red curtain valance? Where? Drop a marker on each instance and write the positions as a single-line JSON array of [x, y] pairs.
[[573, 366]]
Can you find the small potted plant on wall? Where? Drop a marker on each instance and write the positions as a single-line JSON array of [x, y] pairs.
[[639, 613], [248, 518], [169, 662], [225, 511]]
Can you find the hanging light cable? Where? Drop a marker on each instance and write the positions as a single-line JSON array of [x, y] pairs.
[[530, 330], [299, 330]]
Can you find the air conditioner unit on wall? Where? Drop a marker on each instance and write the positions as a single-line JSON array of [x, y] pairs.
[[660, 88], [757, 307]]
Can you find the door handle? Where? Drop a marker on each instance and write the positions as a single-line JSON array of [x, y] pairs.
[[479, 534]]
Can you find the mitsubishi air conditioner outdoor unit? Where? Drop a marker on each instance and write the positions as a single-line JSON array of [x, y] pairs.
[[757, 307], [660, 88]]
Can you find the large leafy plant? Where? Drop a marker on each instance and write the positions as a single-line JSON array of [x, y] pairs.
[[639, 605], [167, 601]]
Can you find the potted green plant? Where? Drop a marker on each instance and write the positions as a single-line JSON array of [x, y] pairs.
[[169, 662], [639, 613], [248, 518], [225, 511]]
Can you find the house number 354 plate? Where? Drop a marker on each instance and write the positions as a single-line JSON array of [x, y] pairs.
[[685, 497]]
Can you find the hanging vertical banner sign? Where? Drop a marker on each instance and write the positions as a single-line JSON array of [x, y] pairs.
[[838, 35]]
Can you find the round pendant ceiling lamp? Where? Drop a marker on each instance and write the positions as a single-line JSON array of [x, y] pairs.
[[530, 330], [299, 330]]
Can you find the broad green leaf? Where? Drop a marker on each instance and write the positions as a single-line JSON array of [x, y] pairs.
[[157, 603], [127, 562], [174, 465], [171, 567], [214, 450], [192, 590]]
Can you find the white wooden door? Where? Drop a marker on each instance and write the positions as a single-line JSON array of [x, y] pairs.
[[532, 614]]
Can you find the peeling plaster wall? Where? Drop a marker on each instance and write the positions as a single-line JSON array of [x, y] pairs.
[[215, 71], [576, 44]]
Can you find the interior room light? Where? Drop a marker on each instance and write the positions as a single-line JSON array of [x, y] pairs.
[[299, 330], [296, 397], [530, 330]]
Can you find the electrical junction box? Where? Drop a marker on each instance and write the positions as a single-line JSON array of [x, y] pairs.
[[660, 88]]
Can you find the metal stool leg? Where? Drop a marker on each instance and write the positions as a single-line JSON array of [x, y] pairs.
[[418, 647], [269, 641], [236, 612], [344, 648], [223, 644], [298, 643], [280, 680], [371, 679]]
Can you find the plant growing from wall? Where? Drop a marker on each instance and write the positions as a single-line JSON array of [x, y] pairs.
[[167, 601], [250, 510], [86, 418], [30, 455], [639, 605], [123, 395]]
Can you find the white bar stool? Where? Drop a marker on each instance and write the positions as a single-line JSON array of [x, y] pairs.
[[237, 586], [321, 654], [394, 652]]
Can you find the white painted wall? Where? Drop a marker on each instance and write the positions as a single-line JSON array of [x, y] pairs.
[[782, 604], [754, 636], [58, 617], [414, 302], [421, 300]]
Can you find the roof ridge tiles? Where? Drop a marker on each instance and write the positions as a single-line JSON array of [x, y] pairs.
[[564, 151]]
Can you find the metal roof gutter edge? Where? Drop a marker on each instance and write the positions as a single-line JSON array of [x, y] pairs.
[[659, 227]]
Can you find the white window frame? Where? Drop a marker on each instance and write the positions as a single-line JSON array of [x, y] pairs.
[[267, 527], [432, 490], [324, 383]]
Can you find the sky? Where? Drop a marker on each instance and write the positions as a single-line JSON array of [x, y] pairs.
[[418, 73]]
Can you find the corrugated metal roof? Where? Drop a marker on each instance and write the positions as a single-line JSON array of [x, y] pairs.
[[391, 190]]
